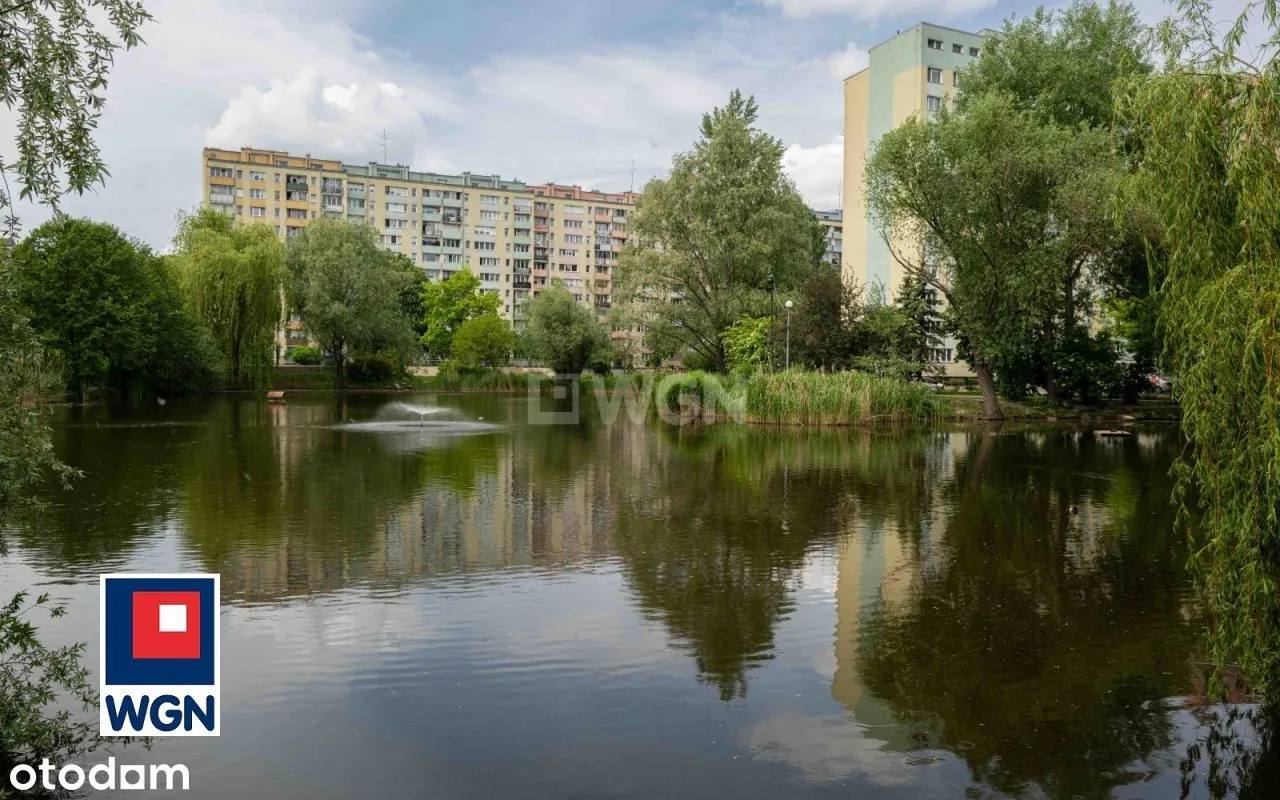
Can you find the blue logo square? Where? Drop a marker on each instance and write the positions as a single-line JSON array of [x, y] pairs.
[[122, 668]]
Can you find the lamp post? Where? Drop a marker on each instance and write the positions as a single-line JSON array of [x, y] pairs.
[[773, 314], [788, 305]]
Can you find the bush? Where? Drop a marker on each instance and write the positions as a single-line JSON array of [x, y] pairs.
[[377, 368], [306, 356], [486, 339]]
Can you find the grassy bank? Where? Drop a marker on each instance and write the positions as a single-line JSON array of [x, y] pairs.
[[843, 398]]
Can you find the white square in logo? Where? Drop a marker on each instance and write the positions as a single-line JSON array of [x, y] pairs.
[[173, 619]]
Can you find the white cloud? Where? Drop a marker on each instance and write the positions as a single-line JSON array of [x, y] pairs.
[[817, 172], [848, 61], [879, 9], [298, 79]]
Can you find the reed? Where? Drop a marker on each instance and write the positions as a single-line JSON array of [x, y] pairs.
[[799, 397]]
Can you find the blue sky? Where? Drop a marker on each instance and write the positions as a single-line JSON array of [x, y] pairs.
[[568, 90]]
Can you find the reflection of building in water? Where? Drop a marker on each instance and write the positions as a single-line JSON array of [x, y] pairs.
[[881, 563], [505, 511]]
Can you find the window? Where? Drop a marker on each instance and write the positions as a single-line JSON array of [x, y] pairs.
[[258, 176], [955, 78], [489, 215], [277, 213], [489, 262], [935, 75], [220, 172], [485, 246], [489, 200], [566, 253], [240, 210], [973, 51], [277, 180], [933, 103], [573, 223], [389, 239], [255, 211], [488, 276], [397, 191], [258, 194], [297, 213], [399, 208], [958, 49], [239, 174], [935, 44], [572, 209], [395, 223], [485, 230], [572, 239]]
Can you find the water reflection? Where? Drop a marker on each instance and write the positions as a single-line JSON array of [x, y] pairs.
[[790, 612]]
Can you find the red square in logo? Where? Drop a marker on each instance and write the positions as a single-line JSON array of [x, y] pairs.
[[166, 624]]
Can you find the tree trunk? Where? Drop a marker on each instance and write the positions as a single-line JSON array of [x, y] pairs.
[[987, 383]]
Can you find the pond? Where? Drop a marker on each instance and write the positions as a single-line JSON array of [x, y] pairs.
[[428, 596]]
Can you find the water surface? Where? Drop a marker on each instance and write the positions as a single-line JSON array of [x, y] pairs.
[[430, 597]]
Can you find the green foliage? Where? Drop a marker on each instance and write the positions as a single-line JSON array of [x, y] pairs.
[[26, 452], [799, 397], [712, 233], [377, 368], [746, 344], [1207, 127], [1005, 205], [449, 303], [562, 333], [56, 56], [111, 311], [347, 290], [232, 278], [306, 355], [487, 339], [1062, 64], [824, 325], [34, 677]]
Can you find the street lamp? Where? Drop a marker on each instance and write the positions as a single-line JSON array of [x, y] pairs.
[[788, 306]]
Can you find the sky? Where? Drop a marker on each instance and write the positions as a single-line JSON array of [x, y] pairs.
[[600, 93]]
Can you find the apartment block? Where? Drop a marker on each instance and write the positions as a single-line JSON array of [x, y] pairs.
[[578, 236], [512, 236], [914, 74], [833, 228]]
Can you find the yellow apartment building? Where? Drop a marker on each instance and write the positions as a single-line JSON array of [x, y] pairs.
[[914, 74], [444, 223]]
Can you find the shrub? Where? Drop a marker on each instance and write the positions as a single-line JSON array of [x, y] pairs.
[[305, 355], [486, 339], [376, 368]]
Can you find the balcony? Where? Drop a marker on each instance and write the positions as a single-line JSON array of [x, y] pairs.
[[620, 235], [222, 199], [522, 285], [541, 227], [333, 207], [523, 238], [447, 203], [432, 216]]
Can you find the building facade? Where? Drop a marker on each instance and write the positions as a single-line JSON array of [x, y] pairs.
[[914, 74], [512, 236], [833, 225]]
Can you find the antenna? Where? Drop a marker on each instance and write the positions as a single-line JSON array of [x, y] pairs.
[[633, 175], [384, 145]]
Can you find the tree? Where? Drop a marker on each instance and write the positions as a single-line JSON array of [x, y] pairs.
[[746, 344], [824, 332], [980, 207], [56, 58], [447, 304], [562, 333], [110, 310], [233, 277], [1061, 66], [706, 239], [1207, 128], [347, 290], [486, 339]]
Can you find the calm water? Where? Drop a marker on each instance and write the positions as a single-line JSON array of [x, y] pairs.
[[460, 604]]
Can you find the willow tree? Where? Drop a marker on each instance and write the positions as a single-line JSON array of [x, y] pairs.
[[233, 276], [1208, 126]]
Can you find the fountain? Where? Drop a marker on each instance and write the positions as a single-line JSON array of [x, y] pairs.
[[433, 422]]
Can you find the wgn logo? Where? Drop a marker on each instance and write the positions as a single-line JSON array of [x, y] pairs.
[[160, 655]]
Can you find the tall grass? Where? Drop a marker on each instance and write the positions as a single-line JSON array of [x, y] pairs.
[[842, 398]]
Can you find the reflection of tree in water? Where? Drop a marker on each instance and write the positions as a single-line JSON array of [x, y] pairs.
[[1234, 754], [713, 530], [1044, 642]]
